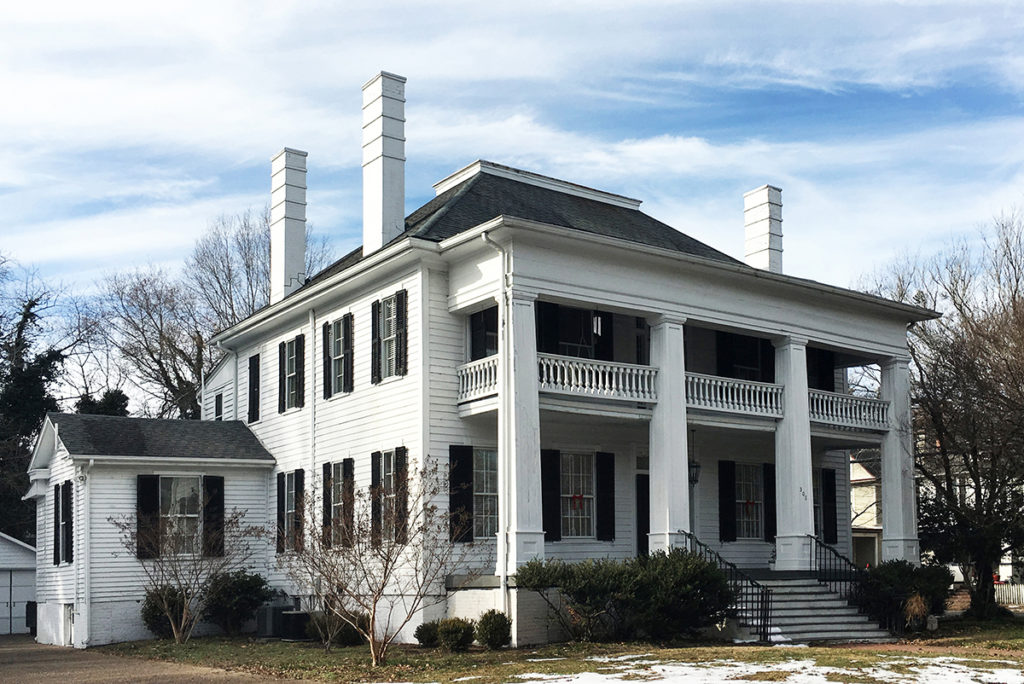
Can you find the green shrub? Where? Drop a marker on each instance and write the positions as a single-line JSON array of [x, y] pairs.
[[330, 629], [660, 596], [890, 585], [676, 593], [233, 597], [153, 615], [426, 634], [455, 634], [494, 630]]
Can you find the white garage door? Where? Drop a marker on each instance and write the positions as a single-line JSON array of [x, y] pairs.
[[17, 588]]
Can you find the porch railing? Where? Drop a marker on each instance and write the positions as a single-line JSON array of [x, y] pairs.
[[603, 379], [478, 378], [753, 603], [848, 410], [715, 393]]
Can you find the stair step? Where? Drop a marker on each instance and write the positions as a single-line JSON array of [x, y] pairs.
[[825, 620], [852, 635]]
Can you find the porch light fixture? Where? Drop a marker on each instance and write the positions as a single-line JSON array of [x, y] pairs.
[[694, 464]]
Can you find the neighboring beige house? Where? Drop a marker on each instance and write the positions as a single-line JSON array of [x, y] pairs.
[[866, 506]]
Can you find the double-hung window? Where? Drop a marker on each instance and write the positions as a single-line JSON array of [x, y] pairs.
[[337, 356], [291, 375], [180, 509], [290, 510], [749, 501], [290, 507], [218, 407], [816, 489], [291, 365], [577, 494], [390, 336], [485, 493], [62, 523], [388, 483]]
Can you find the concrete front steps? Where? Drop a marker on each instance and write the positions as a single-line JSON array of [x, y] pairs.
[[804, 610]]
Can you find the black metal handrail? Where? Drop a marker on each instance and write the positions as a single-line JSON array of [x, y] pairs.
[[835, 570], [753, 602]]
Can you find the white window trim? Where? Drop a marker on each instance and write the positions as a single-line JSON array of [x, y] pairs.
[[757, 488], [583, 498], [291, 377], [337, 501], [198, 515], [480, 531], [337, 358], [388, 363], [388, 498], [289, 512]]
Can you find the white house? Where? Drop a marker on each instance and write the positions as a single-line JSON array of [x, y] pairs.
[[603, 384], [17, 583]]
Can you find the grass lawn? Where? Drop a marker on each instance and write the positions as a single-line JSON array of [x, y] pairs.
[[973, 644]]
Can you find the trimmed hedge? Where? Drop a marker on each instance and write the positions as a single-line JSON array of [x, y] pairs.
[[455, 634], [233, 597], [426, 634], [494, 630]]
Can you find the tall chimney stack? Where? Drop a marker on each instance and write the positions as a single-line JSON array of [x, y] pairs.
[[287, 223], [762, 219], [383, 160]]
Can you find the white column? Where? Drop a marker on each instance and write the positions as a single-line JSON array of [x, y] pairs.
[[670, 490], [519, 437], [794, 496], [899, 506]]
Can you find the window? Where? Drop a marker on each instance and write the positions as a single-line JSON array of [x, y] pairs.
[[254, 388], [63, 549], [218, 407], [749, 502], [577, 494], [388, 483], [485, 493], [389, 336], [180, 508], [816, 490], [389, 495], [337, 356], [340, 511], [290, 500], [483, 334], [291, 366]]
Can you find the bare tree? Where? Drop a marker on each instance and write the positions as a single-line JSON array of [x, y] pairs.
[[968, 394], [385, 555], [178, 560]]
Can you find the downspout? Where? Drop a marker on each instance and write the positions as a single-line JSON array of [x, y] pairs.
[[86, 565], [312, 397], [234, 379], [505, 493]]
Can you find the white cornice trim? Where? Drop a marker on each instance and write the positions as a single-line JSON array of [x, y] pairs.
[[177, 461]]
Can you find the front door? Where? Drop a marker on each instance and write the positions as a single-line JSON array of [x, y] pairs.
[[643, 512]]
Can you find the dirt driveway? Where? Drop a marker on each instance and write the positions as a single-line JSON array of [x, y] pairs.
[[23, 660]]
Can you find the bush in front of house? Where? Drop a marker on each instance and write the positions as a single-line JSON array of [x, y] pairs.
[[494, 630], [426, 634], [455, 634], [893, 586], [331, 629], [676, 594], [233, 597], [153, 615], [660, 596]]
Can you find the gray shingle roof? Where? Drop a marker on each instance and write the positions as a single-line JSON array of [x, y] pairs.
[[88, 435], [485, 196]]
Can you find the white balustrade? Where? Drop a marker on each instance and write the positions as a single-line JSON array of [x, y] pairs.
[[603, 379], [847, 410], [729, 395], [478, 379]]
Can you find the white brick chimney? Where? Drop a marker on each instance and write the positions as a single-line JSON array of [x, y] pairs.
[[383, 160], [287, 223], [762, 220]]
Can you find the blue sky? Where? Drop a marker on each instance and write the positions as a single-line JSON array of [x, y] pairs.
[[890, 126]]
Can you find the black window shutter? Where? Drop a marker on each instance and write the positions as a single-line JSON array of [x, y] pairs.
[[56, 524], [327, 351], [348, 500], [604, 344], [69, 519], [402, 335], [281, 382], [551, 493], [727, 501], [547, 327], [375, 498], [767, 361], [829, 517], [213, 515], [280, 512], [346, 347], [460, 492], [604, 481], [300, 370], [401, 494], [328, 511], [254, 388], [770, 527], [300, 506], [375, 342], [147, 516]]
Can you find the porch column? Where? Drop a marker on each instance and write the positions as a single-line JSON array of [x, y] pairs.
[[794, 494], [669, 488], [899, 506], [519, 437]]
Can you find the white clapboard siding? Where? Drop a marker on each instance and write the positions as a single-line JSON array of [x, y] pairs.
[[56, 583]]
